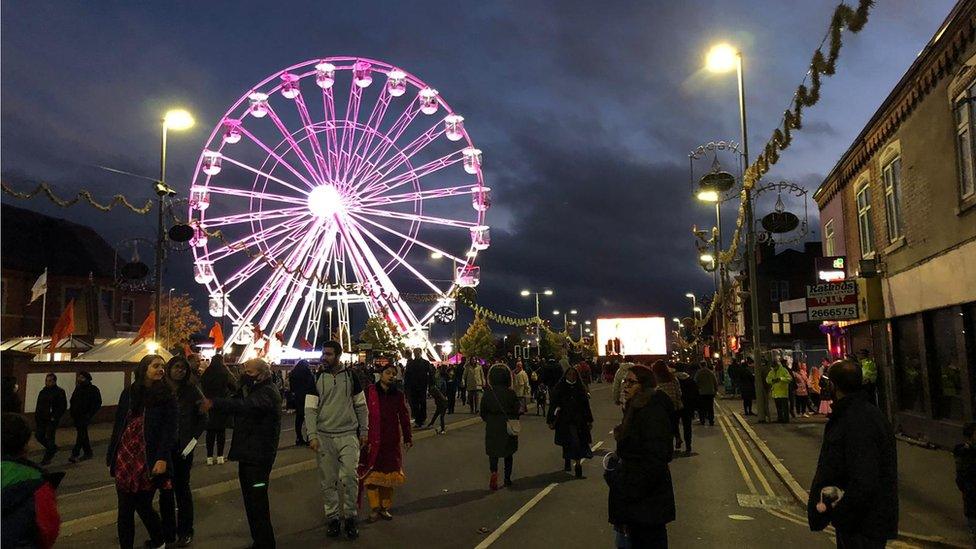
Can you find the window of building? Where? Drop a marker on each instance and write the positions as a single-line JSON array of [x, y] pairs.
[[945, 364], [127, 313], [891, 176], [964, 141], [787, 323], [774, 291], [829, 238], [908, 363], [781, 323], [775, 325], [864, 228]]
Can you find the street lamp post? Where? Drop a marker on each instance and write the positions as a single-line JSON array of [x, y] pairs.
[[169, 312], [527, 293], [328, 310], [723, 58], [176, 120]]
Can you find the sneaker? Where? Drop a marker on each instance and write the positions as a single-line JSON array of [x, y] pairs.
[[352, 532], [184, 541], [335, 529], [210, 461], [220, 460], [508, 483], [385, 514], [442, 432]]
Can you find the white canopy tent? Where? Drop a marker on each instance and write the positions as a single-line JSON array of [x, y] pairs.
[[119, 349]]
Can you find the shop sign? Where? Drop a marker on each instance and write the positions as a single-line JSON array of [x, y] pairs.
[[832, 301], [831, 269]]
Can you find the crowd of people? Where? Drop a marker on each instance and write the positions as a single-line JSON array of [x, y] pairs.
[[359, 421]]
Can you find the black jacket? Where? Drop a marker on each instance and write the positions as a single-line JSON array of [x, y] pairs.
[[257, 427], [85, 403], [160, 431], [418, 376], [965, 455], [192, 421], [217, 382], [858, 456], [644, 494], [301, 382], [689, 392], [51, 405], [569, 410], [747, 382], [498, 405]]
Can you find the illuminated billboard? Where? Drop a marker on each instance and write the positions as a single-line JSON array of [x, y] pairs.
[[631, 336]]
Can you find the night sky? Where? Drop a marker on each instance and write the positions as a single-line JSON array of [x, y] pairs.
[[585, 111]]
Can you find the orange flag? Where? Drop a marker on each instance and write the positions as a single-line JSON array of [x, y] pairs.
[[217, 333], [147, 329], [304, 344], [65, 326], [186, 350]]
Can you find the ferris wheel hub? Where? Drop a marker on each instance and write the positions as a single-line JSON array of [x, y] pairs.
[[325, 201]]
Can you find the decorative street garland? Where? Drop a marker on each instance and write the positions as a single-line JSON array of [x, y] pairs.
[[82, 195]]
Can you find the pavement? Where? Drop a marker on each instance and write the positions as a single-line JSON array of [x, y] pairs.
[[930, 505], [727, 495]]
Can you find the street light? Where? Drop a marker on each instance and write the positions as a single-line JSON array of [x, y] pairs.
[[527, 293], [169, 311], [176, 119], [723, 58], [329, 311], [436, 255], [708, 196], [706, 258]]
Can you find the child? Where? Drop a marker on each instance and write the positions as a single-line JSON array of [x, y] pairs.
[[965, 455], [440, 401], [541, 399], [30, 506]]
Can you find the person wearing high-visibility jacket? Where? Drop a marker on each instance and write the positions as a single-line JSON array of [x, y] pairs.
[[779, 380]]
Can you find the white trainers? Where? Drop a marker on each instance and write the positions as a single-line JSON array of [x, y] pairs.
[[210, 461], [220, 460]]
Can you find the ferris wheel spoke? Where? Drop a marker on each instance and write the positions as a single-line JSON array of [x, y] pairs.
[[308, 280], [277, 157], [389, 139], [254, 216], [416, 173], [324, 172], [260, 261], [265, 174], [254, 239], [399, 259], [331, 135], [290, 274], [369, 132], [257, 195], [349, 129], [408, 238], [420, 143], [417, 217], [432, 194], [290, 139]]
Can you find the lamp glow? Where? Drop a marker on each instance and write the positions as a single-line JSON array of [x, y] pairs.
[[178, 119], [708, 196], [676, 319], [555, 313], [706, 258], [573, 312], [152, 347], [525, 293], [689, 294], [721, 58], [324, 201], [697, 309], [548, 292], [436, 255]]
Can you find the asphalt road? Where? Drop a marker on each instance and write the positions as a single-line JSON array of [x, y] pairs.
[[446, 502]]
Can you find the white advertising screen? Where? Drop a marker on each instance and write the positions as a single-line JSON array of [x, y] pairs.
[[631, 336]]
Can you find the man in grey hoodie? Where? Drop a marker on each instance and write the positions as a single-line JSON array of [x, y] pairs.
[[337, 425]]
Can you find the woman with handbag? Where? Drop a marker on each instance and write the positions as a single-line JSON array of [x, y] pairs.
[[500, 412], [571, 418], [141, 449], [641, 501]]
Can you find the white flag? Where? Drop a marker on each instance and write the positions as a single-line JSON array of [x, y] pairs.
[[40, 287]]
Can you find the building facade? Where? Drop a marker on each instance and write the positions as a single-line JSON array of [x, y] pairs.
[[901, 206]]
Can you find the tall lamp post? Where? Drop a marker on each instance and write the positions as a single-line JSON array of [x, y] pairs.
[[177, 119], [527, 293], [724, 58]]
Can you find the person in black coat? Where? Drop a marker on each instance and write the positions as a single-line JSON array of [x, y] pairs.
[[965, 456], [498, 406], [641, 501], [301, 382], [257, 430], [855, 487], [10, 401], [51, 405], [747, 385], [145, 419], [86, 401], [418, 376], [571, 418], [690, 400], [217, 382], [176, 504]]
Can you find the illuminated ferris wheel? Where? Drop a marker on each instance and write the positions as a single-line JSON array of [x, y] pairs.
[[332, 182]]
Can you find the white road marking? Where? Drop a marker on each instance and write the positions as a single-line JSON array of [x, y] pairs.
[[515, 518]]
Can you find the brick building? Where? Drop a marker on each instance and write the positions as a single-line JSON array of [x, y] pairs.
[[901, 206], [80, 265]]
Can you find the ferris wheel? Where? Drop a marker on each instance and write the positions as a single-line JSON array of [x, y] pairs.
[[333, 182]]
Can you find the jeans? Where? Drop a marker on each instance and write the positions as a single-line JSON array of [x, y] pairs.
[[648, 536], [675, 422], [418, 407], [706, 409], [687, 417], [509, 462], [82, 442], [176, 505], [474, 397], [299, 422], [218, 436], [45, 434], [141, 503], [254, 487], [438, 413], [452, 391], [746, 406], [782, 409]]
